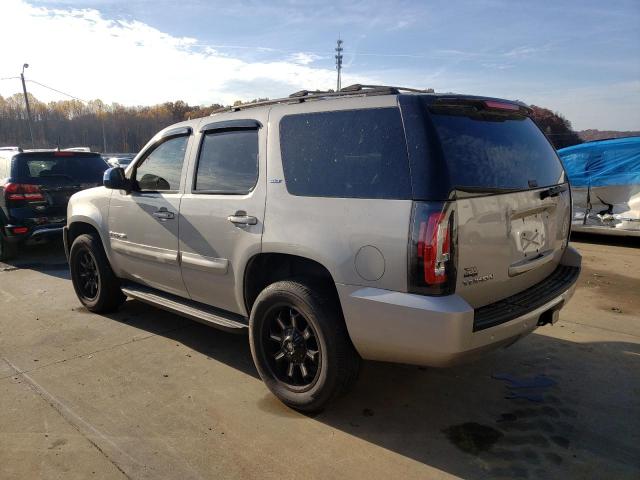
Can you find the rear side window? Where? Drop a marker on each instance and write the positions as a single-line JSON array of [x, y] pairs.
[[349, 153], [228, 162], [496, 152], [72, 168]]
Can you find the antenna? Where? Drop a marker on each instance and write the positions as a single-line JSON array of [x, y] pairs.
[[339, 50]]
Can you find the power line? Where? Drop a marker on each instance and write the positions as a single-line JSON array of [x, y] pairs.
[[59, 91]]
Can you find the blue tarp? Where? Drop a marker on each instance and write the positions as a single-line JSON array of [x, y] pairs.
[[603, 163]]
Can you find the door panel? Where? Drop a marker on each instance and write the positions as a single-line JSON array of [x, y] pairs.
[[221, 214], [145, 245], [143, 224]]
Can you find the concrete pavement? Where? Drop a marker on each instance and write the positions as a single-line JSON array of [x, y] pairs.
[[146, 394]]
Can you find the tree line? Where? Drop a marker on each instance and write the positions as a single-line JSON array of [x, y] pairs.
[[118, 128]]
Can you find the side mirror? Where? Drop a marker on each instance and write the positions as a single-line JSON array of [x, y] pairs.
[[114, 179]]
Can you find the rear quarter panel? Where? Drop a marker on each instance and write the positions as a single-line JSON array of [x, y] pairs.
[[360, 241]]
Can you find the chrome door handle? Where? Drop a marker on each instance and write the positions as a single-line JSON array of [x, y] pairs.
[[163, 214], [241, 219]]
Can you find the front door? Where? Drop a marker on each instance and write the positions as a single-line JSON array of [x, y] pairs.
[[222, 211], [143, 224]]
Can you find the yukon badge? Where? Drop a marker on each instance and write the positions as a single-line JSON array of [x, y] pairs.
[[471, 276]]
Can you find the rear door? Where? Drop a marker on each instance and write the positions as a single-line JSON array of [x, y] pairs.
[[143, 223], [512, 200], [222, 211]]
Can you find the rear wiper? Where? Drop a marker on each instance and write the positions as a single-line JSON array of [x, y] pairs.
[[55, 175], [485, 190]]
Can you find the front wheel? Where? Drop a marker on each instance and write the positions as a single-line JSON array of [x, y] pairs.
[[300, 345], [93, 280]]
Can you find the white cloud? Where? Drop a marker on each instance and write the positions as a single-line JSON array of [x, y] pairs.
[[81, 52], [303, 58]]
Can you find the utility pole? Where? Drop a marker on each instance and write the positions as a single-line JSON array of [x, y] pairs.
[[339, 61], [26, 101]]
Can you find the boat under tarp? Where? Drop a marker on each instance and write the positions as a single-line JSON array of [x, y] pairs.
[[605, 184]]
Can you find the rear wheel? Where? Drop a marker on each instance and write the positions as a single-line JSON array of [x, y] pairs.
[[93, 280], [8, 250], [300, 345]]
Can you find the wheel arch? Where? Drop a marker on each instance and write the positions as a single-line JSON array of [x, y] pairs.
[[266, 268], [80, 226]]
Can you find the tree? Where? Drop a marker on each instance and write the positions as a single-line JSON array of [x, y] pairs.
[[556, 127]]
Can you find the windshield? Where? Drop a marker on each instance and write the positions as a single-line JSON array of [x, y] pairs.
[[491, 153]]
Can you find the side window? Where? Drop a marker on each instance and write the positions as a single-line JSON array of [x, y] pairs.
[[228, 162], [162, 168], [348, 154]]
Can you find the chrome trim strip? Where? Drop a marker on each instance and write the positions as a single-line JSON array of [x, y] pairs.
[[218, 266], [145, 252]]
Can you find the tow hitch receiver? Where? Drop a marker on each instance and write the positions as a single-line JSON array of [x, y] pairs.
[[551, 316]]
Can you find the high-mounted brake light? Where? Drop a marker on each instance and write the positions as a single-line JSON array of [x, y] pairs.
[[23, 191], [63, 154], [492, 104], [431, 261]]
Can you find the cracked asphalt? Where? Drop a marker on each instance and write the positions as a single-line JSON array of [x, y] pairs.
[[146, 394]]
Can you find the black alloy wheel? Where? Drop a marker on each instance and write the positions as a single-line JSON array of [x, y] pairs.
[[87, 271], [294, 353]]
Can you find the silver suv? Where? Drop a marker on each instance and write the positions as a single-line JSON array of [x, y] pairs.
[[374, 223]]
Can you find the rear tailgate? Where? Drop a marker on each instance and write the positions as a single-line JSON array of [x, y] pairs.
[[512, 202], [56, 176]]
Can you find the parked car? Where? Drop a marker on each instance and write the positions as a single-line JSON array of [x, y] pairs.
[[34, 190], [375, 223], [119, 159], [605, 180]]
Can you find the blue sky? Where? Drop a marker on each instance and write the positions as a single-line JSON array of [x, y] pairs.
[[581, 58]]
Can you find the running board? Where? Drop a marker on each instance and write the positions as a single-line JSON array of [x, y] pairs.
[[187, 308]]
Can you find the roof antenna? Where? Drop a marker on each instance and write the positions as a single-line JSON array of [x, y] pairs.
[[58, 144]]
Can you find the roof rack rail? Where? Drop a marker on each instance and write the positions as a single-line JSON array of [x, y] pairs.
[[303, 95]]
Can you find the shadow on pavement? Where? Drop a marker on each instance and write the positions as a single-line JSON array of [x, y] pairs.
[[459, 420], [48, 258]]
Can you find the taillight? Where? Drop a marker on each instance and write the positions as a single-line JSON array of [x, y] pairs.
[[431, 260], [23, 191]]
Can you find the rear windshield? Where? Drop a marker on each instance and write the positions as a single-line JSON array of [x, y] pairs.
[[347, 153], [494, 152], [72, 168]]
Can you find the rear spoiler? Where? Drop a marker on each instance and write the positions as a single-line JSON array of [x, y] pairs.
[[484, 104]]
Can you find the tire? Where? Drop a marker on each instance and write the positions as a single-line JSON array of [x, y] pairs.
[[96, 286], [310, 315], [8, 250]]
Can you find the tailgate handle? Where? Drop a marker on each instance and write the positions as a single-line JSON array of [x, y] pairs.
[[553, 191], [525, 265]]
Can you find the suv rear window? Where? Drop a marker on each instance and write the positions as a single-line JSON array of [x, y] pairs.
[[346, 153], [496, 152], [74, 168]]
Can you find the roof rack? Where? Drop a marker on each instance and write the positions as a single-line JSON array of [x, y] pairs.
[[352, 90]]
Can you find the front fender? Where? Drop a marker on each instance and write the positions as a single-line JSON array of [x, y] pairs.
[[91, 207]]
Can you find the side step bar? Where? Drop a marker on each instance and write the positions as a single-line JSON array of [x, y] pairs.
[[187, 308]]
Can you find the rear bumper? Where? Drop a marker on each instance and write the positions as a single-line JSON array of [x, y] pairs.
[[434, 331], [34, 233]]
